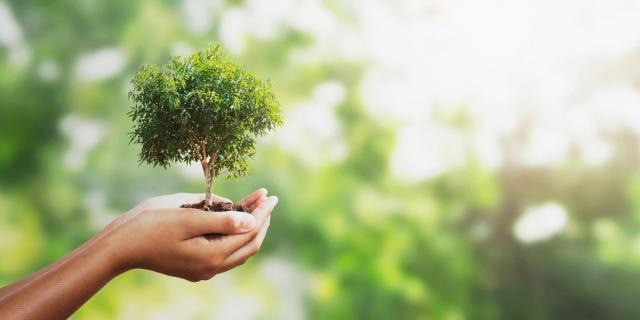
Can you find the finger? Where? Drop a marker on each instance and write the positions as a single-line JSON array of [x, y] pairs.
[[263, 211], [249, 200], [199, 222], [257, 203], [263, 231], [249, 249]]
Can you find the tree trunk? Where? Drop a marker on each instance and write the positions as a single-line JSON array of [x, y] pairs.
[[209, 175], [209, 180]]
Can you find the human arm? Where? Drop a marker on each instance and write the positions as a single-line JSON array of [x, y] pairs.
[[170, 241]]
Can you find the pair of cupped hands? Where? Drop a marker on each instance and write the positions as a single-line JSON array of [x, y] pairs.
[[188, 243]]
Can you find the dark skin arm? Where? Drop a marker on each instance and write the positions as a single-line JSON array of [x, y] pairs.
[[154, 235]]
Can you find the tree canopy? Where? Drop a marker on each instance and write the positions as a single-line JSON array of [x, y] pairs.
[[201, 107]]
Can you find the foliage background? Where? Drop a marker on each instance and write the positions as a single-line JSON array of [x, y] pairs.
[[440, 159]]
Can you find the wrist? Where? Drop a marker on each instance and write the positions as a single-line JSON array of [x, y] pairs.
[[111, 254]]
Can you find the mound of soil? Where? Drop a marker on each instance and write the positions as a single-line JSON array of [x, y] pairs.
[[216, 206]]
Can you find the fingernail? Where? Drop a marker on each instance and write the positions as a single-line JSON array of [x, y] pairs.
[[275, 199], [245, 221], [263, 191]]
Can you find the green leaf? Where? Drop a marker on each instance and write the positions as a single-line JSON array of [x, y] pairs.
[[201, 99]]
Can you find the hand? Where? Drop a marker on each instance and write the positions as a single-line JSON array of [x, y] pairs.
[[157, 235]]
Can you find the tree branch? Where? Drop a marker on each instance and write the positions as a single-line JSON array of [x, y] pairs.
[[212, 163], [212, 157], [203, 151], [195, 149]]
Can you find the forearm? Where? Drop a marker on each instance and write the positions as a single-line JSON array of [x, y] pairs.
[[154, 235], [57, 291], [6, 290]]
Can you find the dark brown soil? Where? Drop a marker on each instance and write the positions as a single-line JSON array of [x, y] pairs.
[[216, 206]]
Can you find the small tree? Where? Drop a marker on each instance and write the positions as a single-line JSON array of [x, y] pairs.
[[202, 107]]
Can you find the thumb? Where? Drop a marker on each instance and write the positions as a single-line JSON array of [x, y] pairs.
[[227, 222]]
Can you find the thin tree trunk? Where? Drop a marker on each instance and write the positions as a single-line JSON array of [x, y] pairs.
[[209, 180], [209, 174]]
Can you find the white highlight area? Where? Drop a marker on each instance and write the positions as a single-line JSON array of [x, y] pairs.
[[199, 14], [540, 223], [264, 20], [312, 129], [546, 145], [491, 54], [83, 134], [423, 152], [100, 65], [11, 37], [561, 71], [10, 33]]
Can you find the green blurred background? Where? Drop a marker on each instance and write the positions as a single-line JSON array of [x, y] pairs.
[[439, 159]]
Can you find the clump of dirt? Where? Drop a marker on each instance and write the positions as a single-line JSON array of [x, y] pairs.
[[216, 206]]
